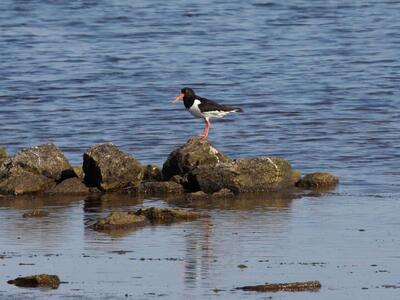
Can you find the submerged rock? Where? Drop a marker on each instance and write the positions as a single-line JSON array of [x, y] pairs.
[[70, 186], [261, 174], [152, 173], [42, 280], [166, 215], [3, 155], [108, 168], [318, 180], [196, 152], [35, 214], [309, 286], [34, 169], [161, 188], [119, 220]]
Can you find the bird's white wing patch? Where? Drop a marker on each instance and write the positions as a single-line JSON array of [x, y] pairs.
[[195, 110]]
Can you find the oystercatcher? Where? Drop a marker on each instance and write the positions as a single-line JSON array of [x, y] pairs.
[[203, 108]]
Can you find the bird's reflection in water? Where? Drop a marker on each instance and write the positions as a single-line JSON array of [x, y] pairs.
[[200, 253]]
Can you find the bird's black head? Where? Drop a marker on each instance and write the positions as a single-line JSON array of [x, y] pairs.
[[188, 92]]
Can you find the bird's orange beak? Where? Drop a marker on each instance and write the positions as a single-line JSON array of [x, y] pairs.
[[179, 97]]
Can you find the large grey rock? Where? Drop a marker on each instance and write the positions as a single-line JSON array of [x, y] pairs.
[[33, 170], [261, 174], [195, 153], [108, 168]]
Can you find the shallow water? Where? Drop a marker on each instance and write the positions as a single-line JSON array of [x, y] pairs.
[[318, 82]]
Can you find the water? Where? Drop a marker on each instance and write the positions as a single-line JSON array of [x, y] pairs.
[[318, 82]]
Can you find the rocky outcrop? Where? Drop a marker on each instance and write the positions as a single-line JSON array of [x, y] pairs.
[[166, 215], [33, 170], [119, 220], [70, 186], [3, 155], [42, 281], [261, 174], [195, 153], [318, 180], [109, 169]]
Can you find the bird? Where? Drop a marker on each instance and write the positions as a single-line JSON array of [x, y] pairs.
[[203, 108]]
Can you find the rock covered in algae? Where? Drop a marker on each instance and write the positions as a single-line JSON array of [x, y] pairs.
[[108, 168], [318, 180], [310, 286], [119, 220], [166, 215], [195, 152], [260, 174], [42, 280]]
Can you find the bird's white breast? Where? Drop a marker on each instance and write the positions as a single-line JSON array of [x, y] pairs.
[[195, 110]]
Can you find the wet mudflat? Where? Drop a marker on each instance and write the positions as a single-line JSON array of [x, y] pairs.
[[332, 238]]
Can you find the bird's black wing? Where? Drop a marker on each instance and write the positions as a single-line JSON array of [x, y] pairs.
[[209, 105]]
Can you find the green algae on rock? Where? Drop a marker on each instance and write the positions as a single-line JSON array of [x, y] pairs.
[[318, 180], [166, 215], [41, 280], [119, 220], [306, 286]]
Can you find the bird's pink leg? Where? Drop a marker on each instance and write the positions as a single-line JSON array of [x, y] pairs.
[[206, 129]]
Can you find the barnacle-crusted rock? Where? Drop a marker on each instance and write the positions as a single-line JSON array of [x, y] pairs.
[[70, 186], [155, 188], [196, 152], [34, 169], [108, 168], [261, 174], [3, 155]]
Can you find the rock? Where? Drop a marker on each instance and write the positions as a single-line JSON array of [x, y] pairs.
[[119, 220], [161, 188], [46, 160], [152, 173], [70, 186], [3, 155], [196, 152], [35, 214], [42, 280], [33, 170], [261, 174], [78, 172], [18, 181], [223, 193], [166, 215], [199, 195], [318, 181], [309, 286], [108, 168]]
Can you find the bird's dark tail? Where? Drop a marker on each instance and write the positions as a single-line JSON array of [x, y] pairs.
[[237, 109]]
